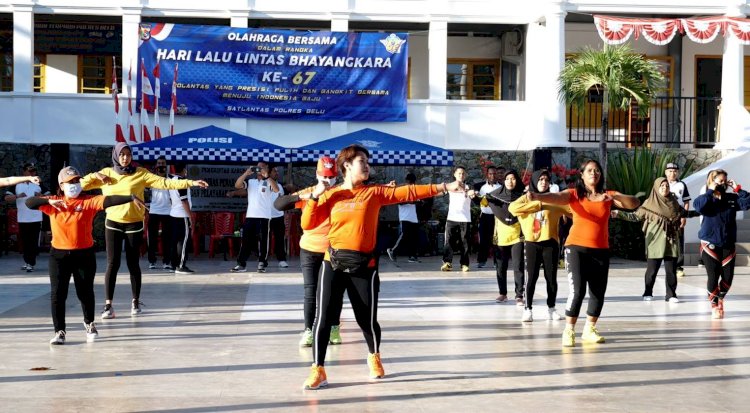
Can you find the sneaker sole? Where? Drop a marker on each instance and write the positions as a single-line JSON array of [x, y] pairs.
[[334, 343], [377, 377], [323, 383]]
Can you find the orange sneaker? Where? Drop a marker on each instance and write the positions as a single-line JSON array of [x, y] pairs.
[[376, 367], [316, 379]]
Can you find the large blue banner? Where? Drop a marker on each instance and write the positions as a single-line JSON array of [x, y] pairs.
[[278, 74]]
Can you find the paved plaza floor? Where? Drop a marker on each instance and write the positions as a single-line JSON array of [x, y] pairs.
[[219, 342]]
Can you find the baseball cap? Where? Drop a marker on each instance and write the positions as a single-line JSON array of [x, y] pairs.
[[29, 166], [326, 167], [672, 165], [67, 173]]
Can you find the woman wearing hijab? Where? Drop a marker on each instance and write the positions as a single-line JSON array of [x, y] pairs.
[[661, 215], [508, 235], [124, 223], [539, 224]]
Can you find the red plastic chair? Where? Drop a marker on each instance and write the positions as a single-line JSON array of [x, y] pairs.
[[222, 229]]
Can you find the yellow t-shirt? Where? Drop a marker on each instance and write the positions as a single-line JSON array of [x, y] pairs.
[[545, 217], [133, 184]]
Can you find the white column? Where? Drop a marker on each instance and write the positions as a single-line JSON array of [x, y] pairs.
[[339, 128], [239, 125], [437, 113], [734, 118], [131, 18], [553, 134], [23, 74]]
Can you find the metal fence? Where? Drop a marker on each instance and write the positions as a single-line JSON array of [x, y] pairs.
[[672, 120]]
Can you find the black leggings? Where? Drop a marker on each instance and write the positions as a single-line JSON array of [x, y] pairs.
[[409, 234], [537, 253], [115, 233], [180, 241], [81, 265], [254, 230], [505, 254], [154, 222], [586, 267], [278, 229], [670, 281], [719, 262], [362, 288], [29, 232], [311, 263]]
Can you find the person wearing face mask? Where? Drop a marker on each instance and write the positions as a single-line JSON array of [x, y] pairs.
[[158, 217], [718, 234], [260, 190], [458, 221], [350, 263], [662, 217], [539, 224], [29, 221], [508, 236], [72, 253], [124, 223], [313, 245]]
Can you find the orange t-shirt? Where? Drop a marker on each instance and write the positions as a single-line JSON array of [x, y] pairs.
[[72, 228], [354, 213], [316, 239], [590, 222]]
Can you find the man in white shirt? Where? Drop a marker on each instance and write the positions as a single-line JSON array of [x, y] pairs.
[[680, 190], [158, 217], [260, 189], [278, 227], [486, 218], [29, 220], [459, 217], [180, 213], [407, 216]]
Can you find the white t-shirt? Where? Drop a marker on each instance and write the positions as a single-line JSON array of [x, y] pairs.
[[259, 198], [407, 212], [24, 213], [680, 190], [177, 196], [161, 203], [459, 207], [484, 190], [275, 213]]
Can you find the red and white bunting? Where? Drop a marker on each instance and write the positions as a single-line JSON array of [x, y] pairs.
[[157, 93], [617, 30], [131, 119], [173, 104], [119, 137]]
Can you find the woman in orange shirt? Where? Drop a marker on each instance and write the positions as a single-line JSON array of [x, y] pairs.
[[587, 246], [349, 264], [72, 253]]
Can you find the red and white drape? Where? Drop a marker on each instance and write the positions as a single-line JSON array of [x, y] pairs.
[[617, 30]]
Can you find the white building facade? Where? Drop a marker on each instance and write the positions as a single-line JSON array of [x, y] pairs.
[[454, 45]]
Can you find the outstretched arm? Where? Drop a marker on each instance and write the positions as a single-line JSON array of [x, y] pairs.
[[554, 198]]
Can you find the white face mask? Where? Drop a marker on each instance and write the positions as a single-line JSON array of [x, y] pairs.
[[329, 181], [72, 190]]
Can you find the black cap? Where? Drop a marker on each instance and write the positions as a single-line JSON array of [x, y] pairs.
[[672, 165], [29, 165]]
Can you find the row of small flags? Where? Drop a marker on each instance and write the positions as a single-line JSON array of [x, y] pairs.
[[146, 106]]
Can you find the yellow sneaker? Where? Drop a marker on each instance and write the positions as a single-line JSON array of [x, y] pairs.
[[465, 268], [591, 334], [376, 367], [446, 266], [569, 338], [316, 379]]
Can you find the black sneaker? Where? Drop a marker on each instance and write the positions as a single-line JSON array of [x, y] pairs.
[[262, 267], [152, 266], [183, 270], [413, 259], [29, 268], [238, 268]]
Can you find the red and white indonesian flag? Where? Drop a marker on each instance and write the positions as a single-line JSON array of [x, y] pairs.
[[131, 119], [146, 92], [173, 103], [157, 93], [119, 136]]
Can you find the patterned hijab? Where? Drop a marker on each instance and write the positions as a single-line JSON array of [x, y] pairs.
[[122, 170], [664, 211]]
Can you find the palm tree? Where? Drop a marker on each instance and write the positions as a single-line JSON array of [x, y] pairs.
[[619, 74]]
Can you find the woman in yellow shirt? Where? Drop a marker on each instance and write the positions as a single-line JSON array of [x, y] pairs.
[[124, 223]]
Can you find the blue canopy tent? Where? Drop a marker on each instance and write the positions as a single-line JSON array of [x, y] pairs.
[[384, 148], [210, 145]]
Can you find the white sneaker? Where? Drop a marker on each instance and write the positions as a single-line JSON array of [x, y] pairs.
[[283, 264], [58, 339], [238, 268], [91, 332], [648, 298], [553, 315], [527, 316], [135, 307], [674, 300]]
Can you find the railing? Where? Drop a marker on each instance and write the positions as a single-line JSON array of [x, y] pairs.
[[672, 120]]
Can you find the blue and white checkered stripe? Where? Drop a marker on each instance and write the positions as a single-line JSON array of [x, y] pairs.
[[378, 157], [211, 154]]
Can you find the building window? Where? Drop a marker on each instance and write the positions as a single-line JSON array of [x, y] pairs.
[[472, 80], [6, 72], [39, 65], [95, 74]]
